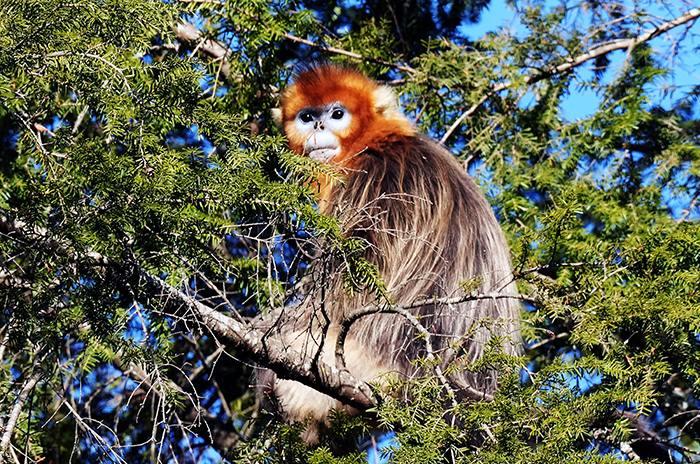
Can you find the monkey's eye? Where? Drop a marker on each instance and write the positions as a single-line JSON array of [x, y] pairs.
[[338, 114], [306, 116]]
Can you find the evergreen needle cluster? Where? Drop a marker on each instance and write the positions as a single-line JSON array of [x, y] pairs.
[[150, 212]]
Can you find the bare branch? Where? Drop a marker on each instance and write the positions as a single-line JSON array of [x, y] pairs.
[[12, 418], [403, 311], [545, 341], [430, 353], [189, 34]]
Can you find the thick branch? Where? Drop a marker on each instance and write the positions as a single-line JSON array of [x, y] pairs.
[[329, 380], [593, 53], [281, 359]]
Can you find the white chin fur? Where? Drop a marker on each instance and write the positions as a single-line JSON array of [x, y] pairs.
[[323, 154]]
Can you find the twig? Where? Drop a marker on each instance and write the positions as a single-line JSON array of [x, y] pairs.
[[541, 343], [79, 120], [430, 352]]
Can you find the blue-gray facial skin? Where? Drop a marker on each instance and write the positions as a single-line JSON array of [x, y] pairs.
[[319, 126]]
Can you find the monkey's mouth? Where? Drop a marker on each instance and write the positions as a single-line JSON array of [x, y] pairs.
[[323, 154]]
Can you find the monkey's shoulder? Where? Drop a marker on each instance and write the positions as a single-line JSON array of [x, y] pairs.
[[410, 151], [415, 166], [412, 160]]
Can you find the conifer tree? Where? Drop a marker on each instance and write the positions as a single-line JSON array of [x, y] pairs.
[[150, 211]]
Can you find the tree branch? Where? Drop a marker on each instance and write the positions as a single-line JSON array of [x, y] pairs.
[[221, 434], [329, 380], [189, 34], [593, 53], [353, 55], [546, 341], [403, 311], [9, 427], [282, 360]]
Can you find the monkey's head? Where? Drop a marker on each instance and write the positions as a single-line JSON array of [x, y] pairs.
[[331, 113]]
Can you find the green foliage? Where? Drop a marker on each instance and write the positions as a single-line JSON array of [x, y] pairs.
[[124, 147]]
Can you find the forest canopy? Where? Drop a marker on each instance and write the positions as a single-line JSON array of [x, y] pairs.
[[151, 213]]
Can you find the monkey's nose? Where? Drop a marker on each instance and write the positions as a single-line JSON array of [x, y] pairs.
[[318, 125]]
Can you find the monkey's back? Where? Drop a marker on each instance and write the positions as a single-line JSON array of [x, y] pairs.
[[431, 233]]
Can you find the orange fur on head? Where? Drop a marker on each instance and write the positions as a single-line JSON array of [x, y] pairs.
[[375, 112]]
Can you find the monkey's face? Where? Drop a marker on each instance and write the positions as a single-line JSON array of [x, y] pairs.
[[321, 128], [332, 114]]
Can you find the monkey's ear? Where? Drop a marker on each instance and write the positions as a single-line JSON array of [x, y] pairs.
[[277, 116], [386, 103]]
